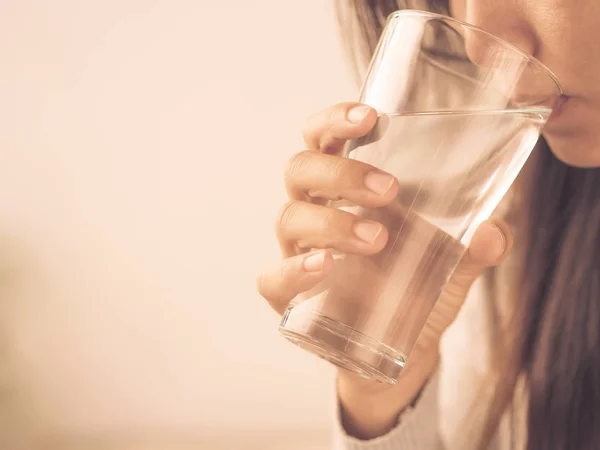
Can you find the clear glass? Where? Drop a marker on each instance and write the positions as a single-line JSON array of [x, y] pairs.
[[460, 111]]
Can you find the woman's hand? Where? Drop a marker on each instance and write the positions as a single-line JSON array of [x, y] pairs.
[[319, 174]]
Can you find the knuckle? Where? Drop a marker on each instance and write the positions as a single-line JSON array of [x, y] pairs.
[[267, 289], [333, 112], [317, 125], [333, 223], [260, 285], [286, 268], [297, 164], [286, 214], [341, 170], [330, 220], [308, 130]]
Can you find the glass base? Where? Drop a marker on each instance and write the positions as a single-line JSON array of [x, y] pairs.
[[342, 345]]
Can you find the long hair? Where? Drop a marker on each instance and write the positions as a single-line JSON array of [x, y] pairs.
[[553, 338]]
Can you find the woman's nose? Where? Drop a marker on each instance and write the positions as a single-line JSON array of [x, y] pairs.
[[511, 74], [504, 19]]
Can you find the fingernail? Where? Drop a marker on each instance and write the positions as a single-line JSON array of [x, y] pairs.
[[379, 182], [367, 230], [489, 244], [503, 242], [357, 114], [314, 263]]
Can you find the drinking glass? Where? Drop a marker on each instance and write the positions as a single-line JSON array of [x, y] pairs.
[[459, 112]]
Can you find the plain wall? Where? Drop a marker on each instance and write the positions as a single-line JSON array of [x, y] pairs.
[[142, 144]]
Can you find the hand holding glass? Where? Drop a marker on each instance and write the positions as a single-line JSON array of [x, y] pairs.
[[459, 111]]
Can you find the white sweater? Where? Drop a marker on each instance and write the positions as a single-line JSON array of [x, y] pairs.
[[434, 423]]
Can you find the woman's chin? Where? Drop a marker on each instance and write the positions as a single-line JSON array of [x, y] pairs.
[[577, 150]]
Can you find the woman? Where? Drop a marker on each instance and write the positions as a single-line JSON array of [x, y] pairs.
[[535, 383]]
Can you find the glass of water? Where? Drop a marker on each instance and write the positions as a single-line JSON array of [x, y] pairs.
[[460, 110]]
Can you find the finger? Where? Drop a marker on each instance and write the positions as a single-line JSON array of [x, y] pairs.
[[311, 175], [304, 226], [489, 246], [327, 130], [294, 275]]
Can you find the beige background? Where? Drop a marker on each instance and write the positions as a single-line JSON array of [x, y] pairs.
[[141, 150]]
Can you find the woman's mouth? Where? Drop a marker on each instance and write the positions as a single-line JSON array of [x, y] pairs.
[[559, 107]]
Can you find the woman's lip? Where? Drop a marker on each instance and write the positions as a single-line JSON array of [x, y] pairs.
[[559, 107]]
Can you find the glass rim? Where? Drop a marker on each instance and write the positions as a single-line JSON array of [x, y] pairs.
[[531, 59]]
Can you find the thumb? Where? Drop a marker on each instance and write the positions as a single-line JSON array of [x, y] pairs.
[[490, 245]]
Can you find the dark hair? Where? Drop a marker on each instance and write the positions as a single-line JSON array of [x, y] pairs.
[[552, 341]]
